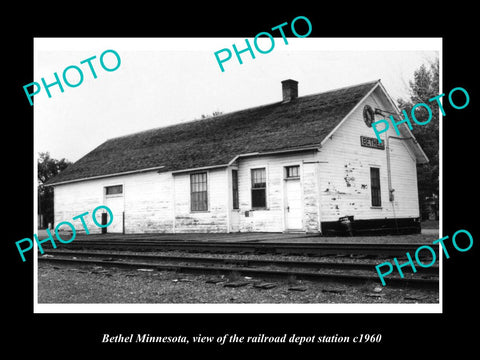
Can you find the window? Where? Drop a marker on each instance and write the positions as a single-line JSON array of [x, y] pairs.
[[235, 188], [198, 192], [114, 190], [259, 185], [375, 186], [292, 171]]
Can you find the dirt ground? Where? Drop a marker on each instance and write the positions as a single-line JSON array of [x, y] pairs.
[[87, 284]]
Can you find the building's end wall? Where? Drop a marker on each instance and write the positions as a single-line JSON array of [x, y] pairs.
[[345, 184], [144, 206]]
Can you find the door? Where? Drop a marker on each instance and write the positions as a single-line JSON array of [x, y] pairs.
[[293, 205], [116, 205], [114, 201]]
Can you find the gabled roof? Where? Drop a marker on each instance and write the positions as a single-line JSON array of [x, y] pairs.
[[302, 122]]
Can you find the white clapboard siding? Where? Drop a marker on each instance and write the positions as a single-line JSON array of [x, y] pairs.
[[74, 199], [272, 219], [212, 220], [344, 171], [147, 202]]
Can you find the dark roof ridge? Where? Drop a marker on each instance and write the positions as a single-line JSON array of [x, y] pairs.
[[342, 88], [240, 110]]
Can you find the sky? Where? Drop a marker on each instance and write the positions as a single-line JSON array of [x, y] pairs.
[[164, 81]]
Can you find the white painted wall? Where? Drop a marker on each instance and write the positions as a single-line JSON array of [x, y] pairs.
[[272, 219], [212, 220], [148, 203], [147, 198], [344, 171]]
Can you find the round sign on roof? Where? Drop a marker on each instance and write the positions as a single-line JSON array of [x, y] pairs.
[[368, 115]]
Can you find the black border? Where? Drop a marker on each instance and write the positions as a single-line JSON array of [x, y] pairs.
[[408, 334]]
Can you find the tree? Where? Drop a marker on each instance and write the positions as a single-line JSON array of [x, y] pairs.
[[425, 85], [214, 114], [47, 169]]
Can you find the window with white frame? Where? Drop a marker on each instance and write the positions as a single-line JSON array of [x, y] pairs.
[[292, 172], [114, 190], [198, 192], [259, 188]]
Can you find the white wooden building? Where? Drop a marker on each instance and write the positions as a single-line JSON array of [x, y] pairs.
[[300, 164]]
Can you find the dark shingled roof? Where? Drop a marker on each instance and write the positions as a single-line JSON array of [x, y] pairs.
[[216, 141]]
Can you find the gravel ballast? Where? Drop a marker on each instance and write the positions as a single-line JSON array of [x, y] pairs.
[[98, 285]]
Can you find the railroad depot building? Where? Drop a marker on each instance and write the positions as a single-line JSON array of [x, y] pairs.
[[300, 164]]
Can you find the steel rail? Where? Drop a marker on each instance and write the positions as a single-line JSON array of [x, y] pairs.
[[267, 247], [261, 273], [366, 266]]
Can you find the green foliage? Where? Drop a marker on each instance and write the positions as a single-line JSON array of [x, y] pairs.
[[47, 169], [425, 85], [215, 113]]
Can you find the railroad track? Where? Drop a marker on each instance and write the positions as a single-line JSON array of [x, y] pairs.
[[309, 249], [350, 272]]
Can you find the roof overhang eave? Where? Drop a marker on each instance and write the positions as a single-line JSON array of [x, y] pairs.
[[276, 152], [105, 176]]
